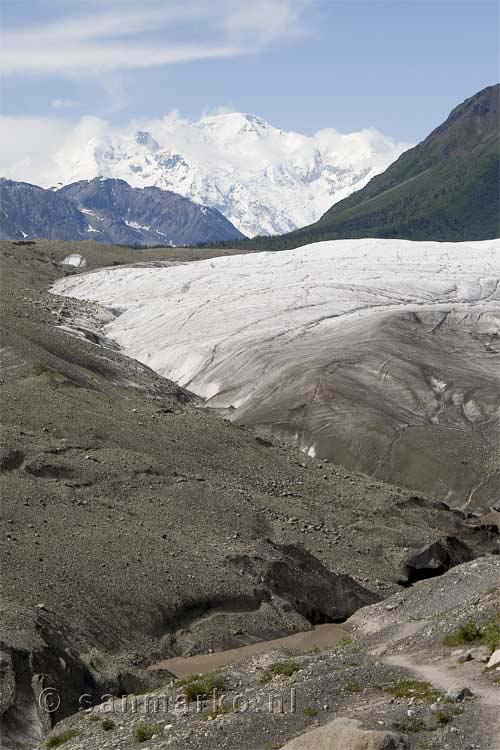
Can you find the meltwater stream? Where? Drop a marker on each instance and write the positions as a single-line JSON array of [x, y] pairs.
[[322, 636]]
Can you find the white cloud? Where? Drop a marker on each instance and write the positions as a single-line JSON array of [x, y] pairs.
[[31, 148], [266, 20], [63, 103], [26, 145], [47, 150], [222, 109], [160, 33]]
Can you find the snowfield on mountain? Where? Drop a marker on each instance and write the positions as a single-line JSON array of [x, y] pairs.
[[381, 355], [262, 179]]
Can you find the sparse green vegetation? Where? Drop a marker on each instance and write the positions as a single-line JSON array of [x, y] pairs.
[[144, 732], [414, 689], [471, 632], [491, 633], [201, 685], [468, 633], [286, 668], [59, 739], [442, 717], [344, 642], [353, 686], [413, 725], [310, 712], [108, 724]]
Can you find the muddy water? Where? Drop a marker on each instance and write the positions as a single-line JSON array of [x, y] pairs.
[[323, 636]]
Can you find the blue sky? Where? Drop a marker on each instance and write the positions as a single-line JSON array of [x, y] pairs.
[[396, 65]]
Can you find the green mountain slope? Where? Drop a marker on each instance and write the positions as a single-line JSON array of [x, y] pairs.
[[445, 188]]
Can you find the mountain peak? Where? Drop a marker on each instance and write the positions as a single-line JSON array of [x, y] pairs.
[[143, 138], [236, 122], [262, 179], [446, 187]]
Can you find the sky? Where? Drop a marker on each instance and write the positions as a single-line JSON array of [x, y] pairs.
[[398, 66]]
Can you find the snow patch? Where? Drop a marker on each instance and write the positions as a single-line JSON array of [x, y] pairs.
[[75, 260]]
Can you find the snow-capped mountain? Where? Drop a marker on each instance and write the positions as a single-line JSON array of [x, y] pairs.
[[108, 211], [264, 180], [381, 355]]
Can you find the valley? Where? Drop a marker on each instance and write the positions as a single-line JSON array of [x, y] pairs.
[[139, 526], [250, 400]]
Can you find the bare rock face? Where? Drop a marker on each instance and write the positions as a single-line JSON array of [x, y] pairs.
[[348, 734], [434, 560], [108, 211], [301, 581], [10, 459], [7, 682]]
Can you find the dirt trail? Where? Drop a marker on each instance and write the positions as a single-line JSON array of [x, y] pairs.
[[468, 674]]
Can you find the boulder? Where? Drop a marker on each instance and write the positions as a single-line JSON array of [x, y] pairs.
[[494, 659], [458, 694], [481, 653], [348, 734], [434, 559]]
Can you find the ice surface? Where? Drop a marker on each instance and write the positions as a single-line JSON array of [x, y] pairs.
[[347, 347]]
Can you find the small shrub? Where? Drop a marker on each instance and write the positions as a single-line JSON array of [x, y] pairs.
[[472, 633], [94, 717], [491, 634], [286, 668], [144, 732], [468, 633], [344, 642], [108, 724], [265, 677], [60, 739], [353, 687], [414, 689], [310, 712], [443, 718], [413, 725], [201, 685]]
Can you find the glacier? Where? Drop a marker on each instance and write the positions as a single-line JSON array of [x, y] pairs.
[[381, 355], [263, 179]]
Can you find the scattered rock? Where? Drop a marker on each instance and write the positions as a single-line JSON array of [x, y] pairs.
[[481, 653], [348, 734]]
